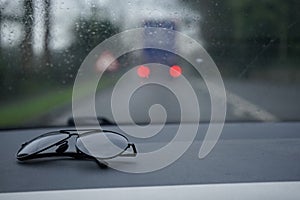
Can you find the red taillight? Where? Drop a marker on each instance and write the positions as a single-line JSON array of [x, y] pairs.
[[143, 71], [175, 71]]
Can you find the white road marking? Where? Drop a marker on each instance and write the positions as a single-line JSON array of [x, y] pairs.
[[241, 107]]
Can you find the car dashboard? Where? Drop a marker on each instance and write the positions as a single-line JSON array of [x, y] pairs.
[[247, 155]]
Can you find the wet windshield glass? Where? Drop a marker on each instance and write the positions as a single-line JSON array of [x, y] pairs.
[[253, 44]]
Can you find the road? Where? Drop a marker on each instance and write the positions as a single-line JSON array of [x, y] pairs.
[[246, 101]]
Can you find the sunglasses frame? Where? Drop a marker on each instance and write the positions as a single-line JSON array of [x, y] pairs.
[[60, 151]]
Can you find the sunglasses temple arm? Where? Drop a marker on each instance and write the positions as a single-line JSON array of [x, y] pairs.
[[134, 151], [45, 155], [102, 164]]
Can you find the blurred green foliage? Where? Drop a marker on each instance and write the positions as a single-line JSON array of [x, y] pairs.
[[240, 33]]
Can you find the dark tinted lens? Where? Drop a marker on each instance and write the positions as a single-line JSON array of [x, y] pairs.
[[102, 144], [41, 143]]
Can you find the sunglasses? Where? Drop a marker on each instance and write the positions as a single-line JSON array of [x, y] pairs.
[[97, 145]]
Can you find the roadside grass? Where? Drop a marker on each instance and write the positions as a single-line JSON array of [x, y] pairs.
[[20, 111]]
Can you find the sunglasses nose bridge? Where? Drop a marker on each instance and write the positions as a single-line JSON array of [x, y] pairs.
[[24, 144], [62, 147]]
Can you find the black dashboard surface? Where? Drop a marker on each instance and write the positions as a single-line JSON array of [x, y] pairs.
[[246, 152]]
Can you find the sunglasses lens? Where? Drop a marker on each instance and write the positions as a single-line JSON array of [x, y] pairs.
[[102, 144], [41, 143]]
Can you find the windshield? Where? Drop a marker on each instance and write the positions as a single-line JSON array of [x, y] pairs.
[[254, 45]]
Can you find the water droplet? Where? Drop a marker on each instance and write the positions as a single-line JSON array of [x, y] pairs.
[[199, 60]]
